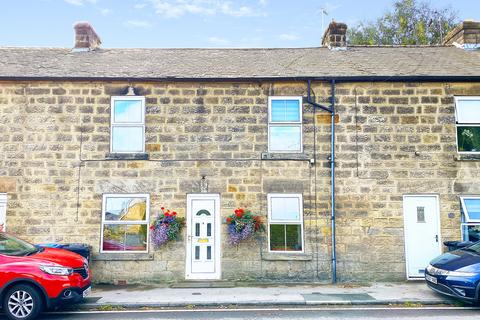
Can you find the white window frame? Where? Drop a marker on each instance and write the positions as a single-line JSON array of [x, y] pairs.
[[138, 222], [464, 124], [285, 124], [3, 214], [465, 211], [298, 196], [125, 124]]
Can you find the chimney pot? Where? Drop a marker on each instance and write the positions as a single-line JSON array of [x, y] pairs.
[[335, 37], [85, 37], [466, 35]]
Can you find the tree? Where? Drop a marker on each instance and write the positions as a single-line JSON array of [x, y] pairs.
[[411, 22]]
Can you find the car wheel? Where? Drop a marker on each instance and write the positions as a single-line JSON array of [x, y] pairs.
[[22, 302]]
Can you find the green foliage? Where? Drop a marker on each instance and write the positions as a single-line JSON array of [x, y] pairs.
[[411, 22]]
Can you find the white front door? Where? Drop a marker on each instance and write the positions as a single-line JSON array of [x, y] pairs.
[[203, 237], [422, 232], [3, 210]]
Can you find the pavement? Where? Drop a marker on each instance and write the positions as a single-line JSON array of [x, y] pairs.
[[223, 294]]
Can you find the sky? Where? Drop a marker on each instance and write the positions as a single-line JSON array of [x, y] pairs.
[[190, 23]]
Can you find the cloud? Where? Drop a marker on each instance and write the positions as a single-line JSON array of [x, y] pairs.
[[288, 37], [179, 8], [80, 2], [263, 3], [138, 24], [140, 5], [105, 12], [218, 41]]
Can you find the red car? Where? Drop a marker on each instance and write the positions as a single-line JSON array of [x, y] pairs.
[[33, 279]]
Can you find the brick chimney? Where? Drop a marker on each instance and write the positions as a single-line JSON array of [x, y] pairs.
[[335, 37], [85, 37], [466, 35]]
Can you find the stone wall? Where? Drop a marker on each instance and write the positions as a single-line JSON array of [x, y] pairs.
[[392, 139]]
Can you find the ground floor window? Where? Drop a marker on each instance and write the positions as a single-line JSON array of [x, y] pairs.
[[470, 218], [125, 222], [285, 222]]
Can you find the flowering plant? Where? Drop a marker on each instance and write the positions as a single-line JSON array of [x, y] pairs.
[[242, 225], [166, 227]]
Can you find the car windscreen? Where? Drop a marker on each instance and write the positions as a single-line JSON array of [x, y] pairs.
[[473, 248], [11, 246]]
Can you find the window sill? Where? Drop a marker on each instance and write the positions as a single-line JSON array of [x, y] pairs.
[[122, 256], [467, 157], [283, 256], [285, 156], [127, 156]]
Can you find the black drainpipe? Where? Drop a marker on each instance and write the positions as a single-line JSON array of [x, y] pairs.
[[330, 109]]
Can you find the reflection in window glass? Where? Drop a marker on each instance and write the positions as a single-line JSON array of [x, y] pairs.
[[285, 111], [468, 139], [285, 138], [277, 237], [123, 237], [125, 222], [471, 232], [285, 237], [128, 111], [473, 208], [125, 209], [127, 139]]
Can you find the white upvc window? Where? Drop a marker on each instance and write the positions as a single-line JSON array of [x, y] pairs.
[[471, 218], [127, 132], [285, 132], [3, 211], [467, 116], [285, 222], [125, 223]]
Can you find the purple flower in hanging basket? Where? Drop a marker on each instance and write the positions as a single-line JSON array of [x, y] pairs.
[[160, 235]]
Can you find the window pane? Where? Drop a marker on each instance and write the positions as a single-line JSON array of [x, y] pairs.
[[471, 233], [468, 138], [292, 112], [468, 111], [473, 208], [128, 111], [285, 208], [294, 237], [127, 139], [285, 110], [209, 253], [286, 138], [125, 237], [277, 237], [126, 209]]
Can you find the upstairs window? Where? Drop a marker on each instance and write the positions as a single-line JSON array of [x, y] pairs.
[[471, 218], [467, 114], [127, 125], [285, 124], [285, 222]]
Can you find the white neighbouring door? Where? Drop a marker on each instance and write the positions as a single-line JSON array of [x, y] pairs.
[[3, 210], [203, 237], [422, 232]]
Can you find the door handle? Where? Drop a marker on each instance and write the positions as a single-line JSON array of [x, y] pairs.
[[436, 237]]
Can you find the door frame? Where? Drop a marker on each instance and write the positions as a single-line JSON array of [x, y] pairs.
[[188, 243], [437, 201]]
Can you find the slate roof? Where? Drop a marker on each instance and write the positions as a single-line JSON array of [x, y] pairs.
[[359, 61]]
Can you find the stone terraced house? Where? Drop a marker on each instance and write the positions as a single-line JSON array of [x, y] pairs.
[[92, 133]]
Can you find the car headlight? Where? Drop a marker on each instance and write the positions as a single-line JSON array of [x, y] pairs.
[[56, 270], [440, 272]]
